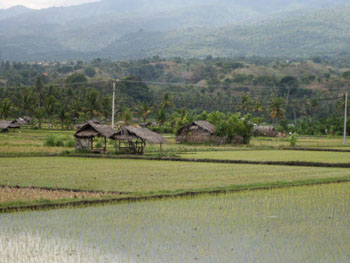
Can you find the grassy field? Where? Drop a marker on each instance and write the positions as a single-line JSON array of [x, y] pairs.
[[273, 155], [31, 141]]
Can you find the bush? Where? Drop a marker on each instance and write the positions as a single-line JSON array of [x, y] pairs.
[[59, 142], [50, 141], [69, 143], [293, 138]]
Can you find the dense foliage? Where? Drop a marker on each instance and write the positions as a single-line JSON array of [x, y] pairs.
[[305, 96]]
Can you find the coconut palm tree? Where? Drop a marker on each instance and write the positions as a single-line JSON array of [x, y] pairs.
[[145, 111], [167, 102], [277, 108], [5, 108]]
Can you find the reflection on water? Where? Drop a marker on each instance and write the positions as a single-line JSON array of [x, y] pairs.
[[305, 224]]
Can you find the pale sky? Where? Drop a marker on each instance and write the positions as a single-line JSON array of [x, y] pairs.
[[37, 4]]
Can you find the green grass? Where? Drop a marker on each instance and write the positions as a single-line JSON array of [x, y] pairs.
[[142, 177], [273, 155]]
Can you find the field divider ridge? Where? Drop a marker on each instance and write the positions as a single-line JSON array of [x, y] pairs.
[[175, 159]]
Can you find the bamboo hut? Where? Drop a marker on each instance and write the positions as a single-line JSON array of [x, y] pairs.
[[198, 132], [90, 130], [133, 139]]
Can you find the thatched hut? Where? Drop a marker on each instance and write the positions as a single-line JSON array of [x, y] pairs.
[[267, 131], [5, 126], [198, 132], [88, 131], [133, 139]]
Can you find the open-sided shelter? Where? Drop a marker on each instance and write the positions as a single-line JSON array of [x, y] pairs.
[[87, 132], [133, 139], [198, 132]]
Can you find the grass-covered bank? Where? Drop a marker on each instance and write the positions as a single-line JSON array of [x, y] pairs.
[[144, 178]]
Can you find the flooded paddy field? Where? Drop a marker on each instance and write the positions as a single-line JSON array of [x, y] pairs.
[[301, 224]]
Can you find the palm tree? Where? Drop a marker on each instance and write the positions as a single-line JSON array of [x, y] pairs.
[[277, 109], [62, 115], [50, 108], [127, 116], [246, 104], [145, 111], [5, 108], [167, 102], [161, 117], [27, 101], [92, 103]]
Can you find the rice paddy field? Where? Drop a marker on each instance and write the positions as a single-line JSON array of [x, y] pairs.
[[144, 176], [299, 224], [273, 155], [172, 211]]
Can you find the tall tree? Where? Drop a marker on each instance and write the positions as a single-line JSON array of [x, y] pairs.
[[145, 111], [50, 108], [167, 102], [277, 108], [5, 108], [92, 103], [27, 101]]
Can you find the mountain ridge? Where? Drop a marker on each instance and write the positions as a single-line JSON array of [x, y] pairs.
[[190, 28]]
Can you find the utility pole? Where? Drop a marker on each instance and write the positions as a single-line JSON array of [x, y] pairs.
[[345, 115], [113, 102]]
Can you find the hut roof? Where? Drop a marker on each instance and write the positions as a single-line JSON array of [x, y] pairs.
[[92, 129], [5, 124], [205, 125], [264, 128], [131, 132], [9, 125]]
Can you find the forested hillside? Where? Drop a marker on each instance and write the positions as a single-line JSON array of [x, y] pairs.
[[271, 90], [138, 29]]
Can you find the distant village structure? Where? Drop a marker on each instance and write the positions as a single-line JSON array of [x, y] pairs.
[[6, 126], [198, 132], [267, 131]]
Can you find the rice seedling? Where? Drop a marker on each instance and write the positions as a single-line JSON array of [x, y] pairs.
[[302, 224]]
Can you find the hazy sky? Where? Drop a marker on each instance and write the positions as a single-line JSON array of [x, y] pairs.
[[37, 4]]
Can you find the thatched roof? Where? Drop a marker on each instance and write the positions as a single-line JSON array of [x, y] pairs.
[[5, 124], [91, 129], [131, 132], [205, 125], [9, 125]]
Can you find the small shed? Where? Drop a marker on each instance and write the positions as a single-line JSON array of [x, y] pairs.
[[198, 132], [87, 132], [133, 139], [267, 131]]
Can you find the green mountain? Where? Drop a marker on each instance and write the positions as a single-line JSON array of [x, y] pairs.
[[194, 28]]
